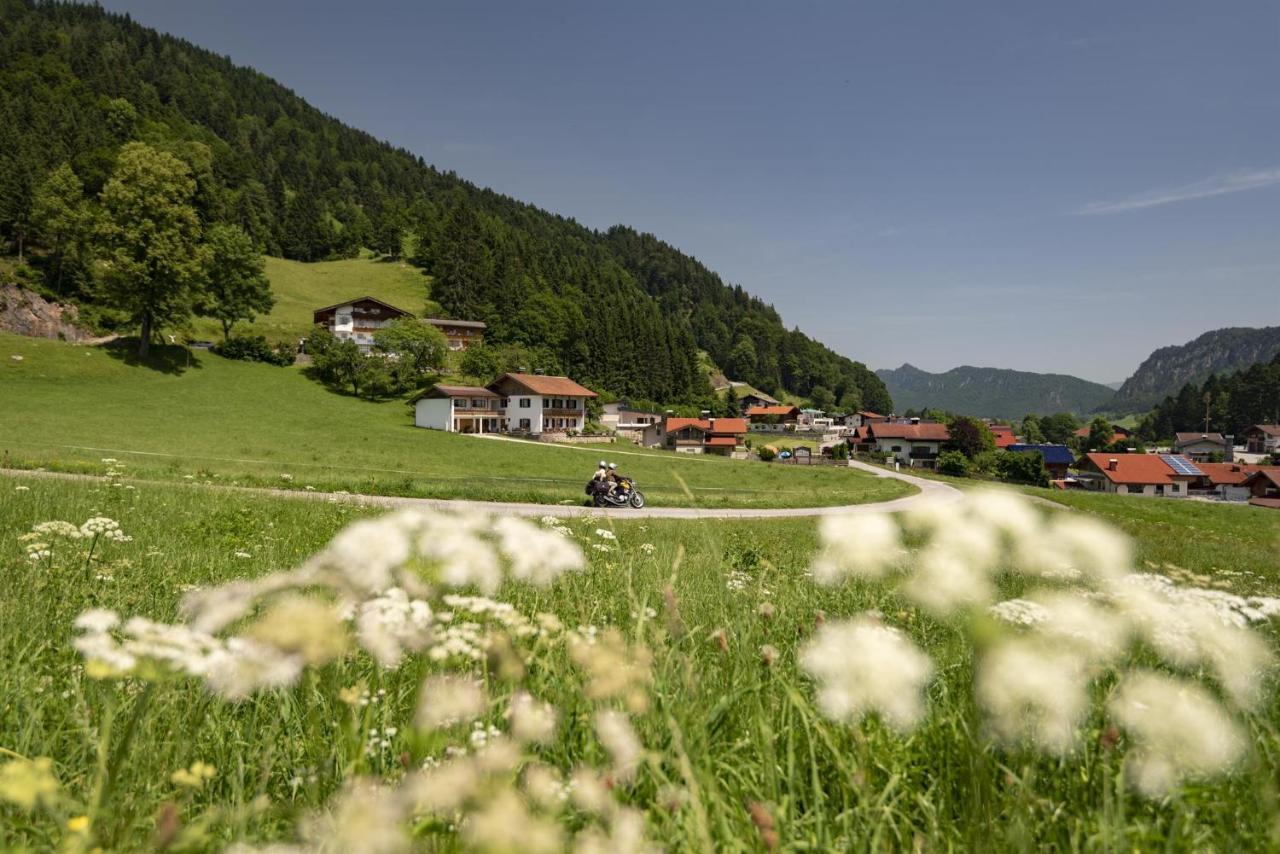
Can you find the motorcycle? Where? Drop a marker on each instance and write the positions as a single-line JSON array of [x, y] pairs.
[[624, 495]]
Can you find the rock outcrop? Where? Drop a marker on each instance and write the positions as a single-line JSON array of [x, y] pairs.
[[25, 313]]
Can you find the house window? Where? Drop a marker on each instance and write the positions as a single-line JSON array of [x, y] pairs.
[[573, 403], [896, 449], [546, 403], [524, 424], [524, 404], [478, 403]]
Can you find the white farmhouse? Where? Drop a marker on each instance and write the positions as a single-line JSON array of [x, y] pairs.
[[530, 404]]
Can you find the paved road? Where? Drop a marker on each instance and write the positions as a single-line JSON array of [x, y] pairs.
[[931, 492]]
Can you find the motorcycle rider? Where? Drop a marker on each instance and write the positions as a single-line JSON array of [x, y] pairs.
[[614, 479]]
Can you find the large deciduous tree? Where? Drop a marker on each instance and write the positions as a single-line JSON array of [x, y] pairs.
[[152, 254], [419, 347], [970, 436], [236, 286]]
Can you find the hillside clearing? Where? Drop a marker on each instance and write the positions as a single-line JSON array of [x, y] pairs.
[[299, 289]]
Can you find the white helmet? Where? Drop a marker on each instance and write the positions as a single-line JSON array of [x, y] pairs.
[[613, 466], [603, 464]]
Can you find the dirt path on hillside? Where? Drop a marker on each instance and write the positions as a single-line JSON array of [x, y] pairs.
[[931, 492]]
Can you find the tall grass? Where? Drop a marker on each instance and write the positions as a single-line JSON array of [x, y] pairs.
[[737, 749]]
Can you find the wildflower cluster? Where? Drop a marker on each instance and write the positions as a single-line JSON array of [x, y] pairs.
[[41, 541], [1087, 616], [373, 584]]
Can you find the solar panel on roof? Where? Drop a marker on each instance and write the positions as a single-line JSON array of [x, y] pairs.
[[1180, 465]]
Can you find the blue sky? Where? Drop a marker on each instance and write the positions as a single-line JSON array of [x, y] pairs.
[[1047, 186]]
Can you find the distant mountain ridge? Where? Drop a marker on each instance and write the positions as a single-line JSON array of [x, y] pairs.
[[993, 392], [1168, 369]]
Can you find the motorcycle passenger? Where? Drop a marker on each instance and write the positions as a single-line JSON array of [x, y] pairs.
[[601, 478]]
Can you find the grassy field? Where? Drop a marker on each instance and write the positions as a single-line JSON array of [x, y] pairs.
[[301, 288], [737, 753], [67, 407]]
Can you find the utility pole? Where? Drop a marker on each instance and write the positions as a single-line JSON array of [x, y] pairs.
[[1207, 398]]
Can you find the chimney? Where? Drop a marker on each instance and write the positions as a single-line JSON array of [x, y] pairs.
[[1229, 448], [1113, 464], [915, 420], [713, 423]]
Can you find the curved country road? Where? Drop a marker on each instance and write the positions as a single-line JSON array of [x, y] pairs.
[[931, 492]]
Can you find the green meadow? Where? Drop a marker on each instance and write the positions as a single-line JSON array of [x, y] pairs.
[[197, 416], [731, 736]]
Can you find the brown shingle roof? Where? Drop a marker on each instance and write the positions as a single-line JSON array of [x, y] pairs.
[[1269, 429], [1192, 438], [771, 410], [539, 384], [929, 431], [462, 324], [363, 299]]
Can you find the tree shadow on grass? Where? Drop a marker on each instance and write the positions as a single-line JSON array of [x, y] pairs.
[[164, 358]]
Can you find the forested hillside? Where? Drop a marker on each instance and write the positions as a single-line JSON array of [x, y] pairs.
[[619, 310], [993, 392], [1232, 402], [1220, 351]]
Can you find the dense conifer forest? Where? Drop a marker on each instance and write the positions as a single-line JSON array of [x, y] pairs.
[[618, 309]]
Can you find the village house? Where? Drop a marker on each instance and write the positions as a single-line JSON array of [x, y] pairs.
[[1057, 458], [815, 421], [1262, 439], [749, 397], [1264, 487], [1118, 433], [726, 436], [1138, 474], [914, 444], [460, 334], [855, 420], [1224, 480], [529, 404], [627, 421], [357, 319], [1203, 447], [460, 409], [1003, 435], [773, 419]]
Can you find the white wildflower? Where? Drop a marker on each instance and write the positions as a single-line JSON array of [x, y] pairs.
[[944, 581], [605, 534], [1179, 732], [531, 720], [1019, 612], [620, 739], [866, 545], [389, 624], [536, 556], [1031, 690], [97, 620], [244, 667], [447, 700], [862, 666]]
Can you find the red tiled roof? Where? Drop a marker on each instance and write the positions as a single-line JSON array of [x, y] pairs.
[[1003, 434], [539, 384], [722, 441], [771, 410], [925, 432], [1226, 474], [1135, 468], [867, 414], [1273, 503]]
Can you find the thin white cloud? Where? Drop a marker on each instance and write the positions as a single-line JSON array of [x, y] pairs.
[[1219, 185]]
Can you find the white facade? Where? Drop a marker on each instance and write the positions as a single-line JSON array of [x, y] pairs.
[[533, 414], [902, 449]]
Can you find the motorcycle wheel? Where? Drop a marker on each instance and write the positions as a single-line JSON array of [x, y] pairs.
[[637, 500], [597, 500]]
